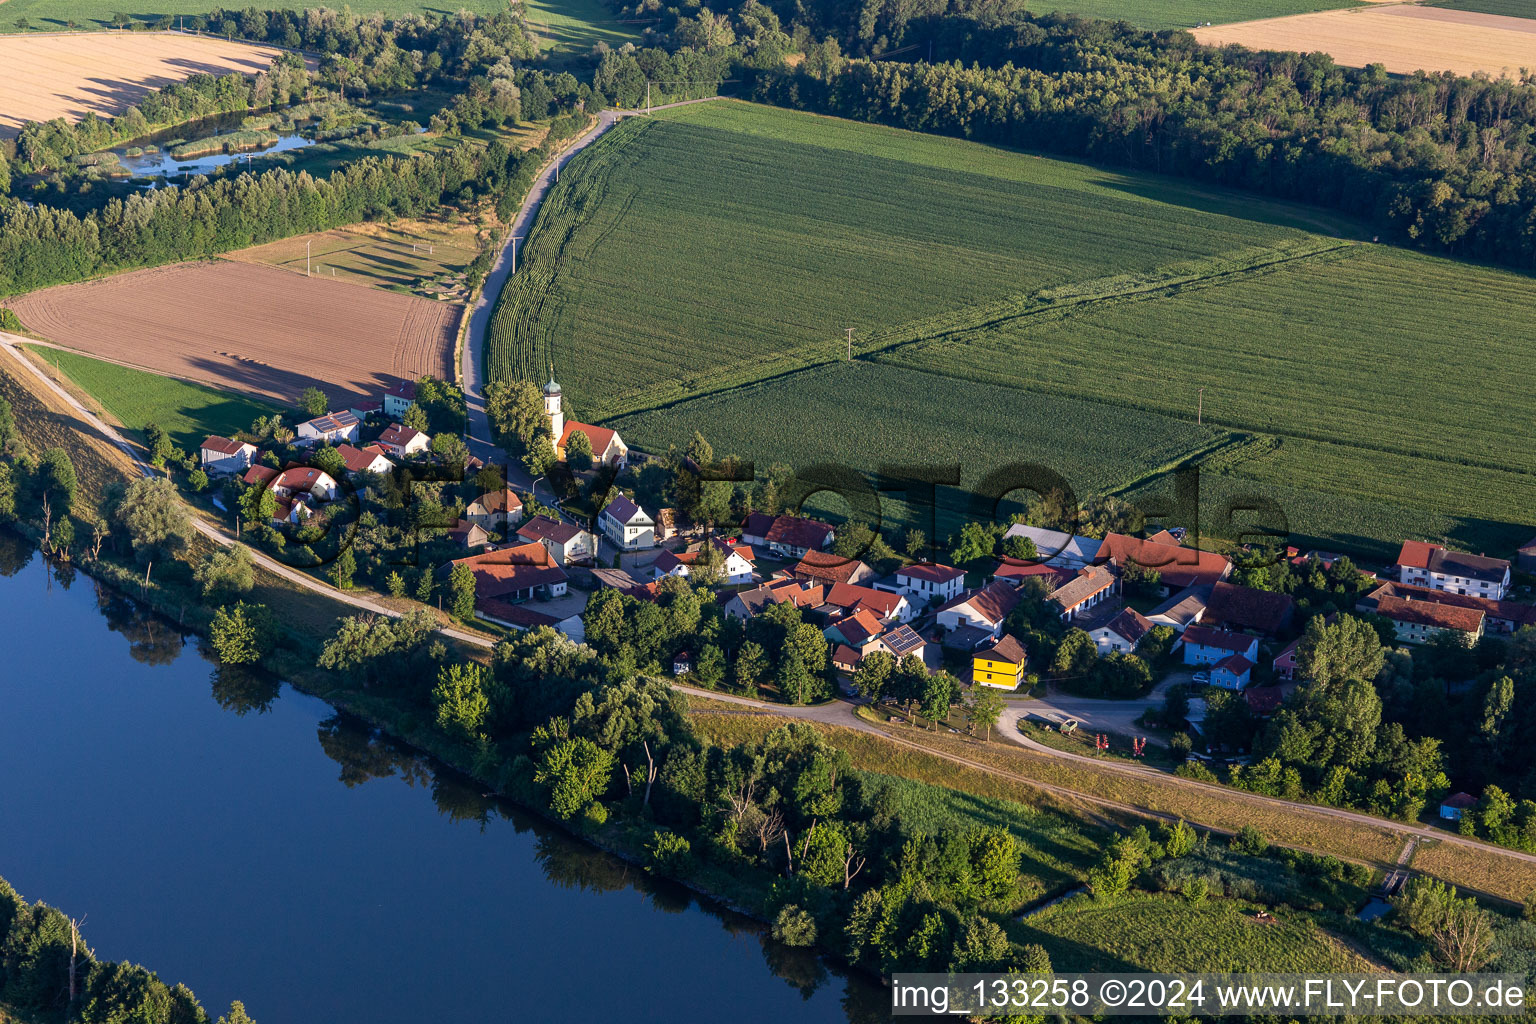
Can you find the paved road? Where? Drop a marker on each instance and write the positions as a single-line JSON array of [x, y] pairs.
[[472, 364], [213, 533]]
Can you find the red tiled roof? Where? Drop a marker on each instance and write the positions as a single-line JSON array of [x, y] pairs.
[[406, 389], [860, 627], [1264, 700], [260, 475], [848, 595], [302, 478], [933, 572], [398, 435], [1287, 657], [499, 501], [992, 602], [1508, 611], [1130, 624], [359, 459], [1247, 608], [223, 445], [545, 528], [501, 572], [1431, 613], [827, 567], [600, 437], [791, 531], [1234, 663], [516, 614], [1088, 582], [1435, 558], [1179, 566], [846, 657], [1459, 800], [1416, 554]]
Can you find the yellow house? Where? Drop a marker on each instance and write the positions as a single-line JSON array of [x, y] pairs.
[[1000, 663]]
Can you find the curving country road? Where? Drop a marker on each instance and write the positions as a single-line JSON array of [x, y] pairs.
[[472, 361]]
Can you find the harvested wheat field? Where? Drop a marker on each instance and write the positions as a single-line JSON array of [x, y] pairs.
[[250, 328], [67, 75], [1403, 37]]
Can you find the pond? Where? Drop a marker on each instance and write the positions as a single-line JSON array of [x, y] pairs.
[[233, 834], [160, 163]]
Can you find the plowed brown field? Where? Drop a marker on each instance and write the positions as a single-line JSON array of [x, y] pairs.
[[65, 76], [252, 328], [1403, 37]]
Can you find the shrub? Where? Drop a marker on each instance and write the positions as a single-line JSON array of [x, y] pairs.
[[1196, 890], [1249, 840], [795, 927], [669, 852], [595, 815], [1179, 745]]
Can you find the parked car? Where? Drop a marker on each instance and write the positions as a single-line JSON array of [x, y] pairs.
[[1201, 677]]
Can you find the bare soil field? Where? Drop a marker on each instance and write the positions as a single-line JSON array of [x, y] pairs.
[[250, 328], [49, 76], [423, 257], [1403, 37]]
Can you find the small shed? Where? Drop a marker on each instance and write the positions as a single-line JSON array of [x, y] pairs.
[[1457, 804], [682, 663]]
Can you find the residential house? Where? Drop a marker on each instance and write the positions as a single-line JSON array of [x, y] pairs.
[[495, 510], [221, 456], [514, 574], [1121, 633], [1499, 616], [294, 480], [845, 598], [786, 536], [627, 525], [1430, 565], [1233, 672], [524, 617], [1285, 662], [846, 660], [983, 610], [332, 428], [564, 542], [363, 410], [1182, 610], [1090, 588], [364, 460], [929, 582], [1177, 566], [1457, 804], [608, 448], [1264, 701], [735, 562], [401, 441], [826, 568], [859, 631], [469, 535], [1054, 548], [1014, 572], [399, 399], [901, 641], [1206, 645], [1418, 622], [1243, 608], [625, 583], [748, 604], [1000, 663]]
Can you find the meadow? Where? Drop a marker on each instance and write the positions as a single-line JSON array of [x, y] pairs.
[[726, 242], [188, 412], [426, 257]]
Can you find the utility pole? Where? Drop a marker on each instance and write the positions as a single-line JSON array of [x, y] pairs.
[[647, 97], [514, 254], [1200, 408], [306, 258], [850, 343]]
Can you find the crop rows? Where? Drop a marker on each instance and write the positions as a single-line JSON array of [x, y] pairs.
[[707, 252]]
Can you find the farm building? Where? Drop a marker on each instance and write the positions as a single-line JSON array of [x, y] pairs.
[[1182, 610], [1089, 589], [332, 428], [1457, 804], [1243, 608], [1178, 566], [1418, 622], [1054, 548], [222, 456], [627, 525], [828, 569], [1499, 616], [468, 535], [1430, 565], [786, 536], [401, 441]]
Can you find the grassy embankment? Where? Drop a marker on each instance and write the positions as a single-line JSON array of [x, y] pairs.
[[987, 287]]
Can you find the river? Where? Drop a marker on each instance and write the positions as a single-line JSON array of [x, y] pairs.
[[233, 834]]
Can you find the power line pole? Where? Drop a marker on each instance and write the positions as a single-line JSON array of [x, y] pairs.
[[647, 97], [306, 258], [850, 343], [514, 254]]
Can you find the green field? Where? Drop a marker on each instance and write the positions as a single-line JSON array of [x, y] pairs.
[[1168, 934], [1161, 14], [188, 412], [1508, 8], [571, 26], [694, 272]]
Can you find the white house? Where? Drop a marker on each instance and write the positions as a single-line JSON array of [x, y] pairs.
[[399, 399], [608, 448], [1122, 633], [986, 609], [564, 542], [402, 441], [787, 536], [735, 563], [495, 509], [221, 455], [332, 428], [1430, 565], [364, 460], [1056, 548], [627, 525], [928, 582], [1204, 645]]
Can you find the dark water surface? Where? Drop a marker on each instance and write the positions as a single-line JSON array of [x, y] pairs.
[[240, 837]]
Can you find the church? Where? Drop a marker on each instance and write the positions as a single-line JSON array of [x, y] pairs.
[[608, 447]]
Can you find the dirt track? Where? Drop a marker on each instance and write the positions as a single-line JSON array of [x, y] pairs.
[[250, 328], [1404, 38], [48, 76]]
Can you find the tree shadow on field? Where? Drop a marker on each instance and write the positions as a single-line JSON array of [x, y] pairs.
[[1220, 200]]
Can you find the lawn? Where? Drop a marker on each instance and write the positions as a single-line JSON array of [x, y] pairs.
[[570, 26], [1161, 14], [188, 412], [1169, 934]]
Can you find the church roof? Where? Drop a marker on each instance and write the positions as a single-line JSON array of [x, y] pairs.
[[551, 388]]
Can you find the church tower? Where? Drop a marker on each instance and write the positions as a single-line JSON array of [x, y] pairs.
[[553, 410]]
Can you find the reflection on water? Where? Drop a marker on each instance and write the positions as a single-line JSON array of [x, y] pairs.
[[160, 164], [208, 839]]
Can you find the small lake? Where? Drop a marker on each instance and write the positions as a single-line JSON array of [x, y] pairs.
[[238, 836], [160, 164]]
